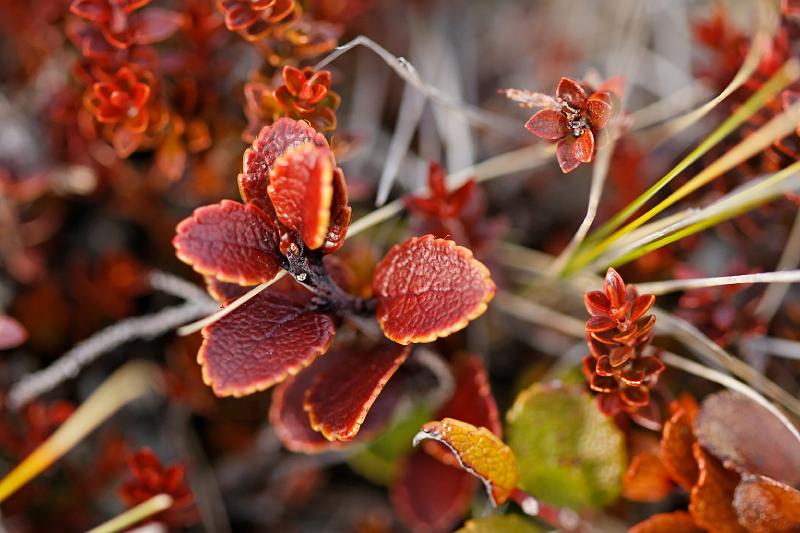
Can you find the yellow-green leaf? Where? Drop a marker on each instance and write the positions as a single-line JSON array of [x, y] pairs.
[[569, 454], [480, 452]]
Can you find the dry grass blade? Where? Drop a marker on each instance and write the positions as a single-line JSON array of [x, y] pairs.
[[710, 374], [790, 258], [664, 287]]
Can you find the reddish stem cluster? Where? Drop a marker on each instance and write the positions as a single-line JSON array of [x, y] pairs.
[[618, 334]]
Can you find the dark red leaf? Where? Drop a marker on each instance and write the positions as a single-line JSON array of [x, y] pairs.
[[548, 124], [599, 111], [230, 241], [340, 214], [431, 496], [301, 191], [428, 288], [748, 438], [270, 144], [223, 291], [262, 343], [572, 93], [12, 333], [340, 397], [288, 417]]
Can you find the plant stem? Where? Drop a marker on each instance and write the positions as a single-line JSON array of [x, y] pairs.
[[134, 515], [776, 128], [130, 382], [561, 518]]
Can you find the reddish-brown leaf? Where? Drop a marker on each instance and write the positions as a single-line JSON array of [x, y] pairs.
[[675, 522], [646, 479], [340, 397], [676, 449], [480, 452], [290, 419], [301, 191], [222, 291], [230, 241], [12, 333], [767, 506], [428, 288], [472, 402], [548, 124], [340, 214], [271, 143], [711, 498], [430, 496], [262, 343], [747, 438]]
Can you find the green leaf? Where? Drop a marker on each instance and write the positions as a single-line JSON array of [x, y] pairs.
[[378, 461], [509, 523], [568, 453]]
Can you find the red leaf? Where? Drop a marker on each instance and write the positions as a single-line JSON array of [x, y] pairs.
[[155, 24], [262, 343], [428, 288], [599, 111], [472, 402], [747, 438], [223, 291], [12, 333], [710, 499], [269, 145], [548, 124], [291, 422], [430, 496], [340, 214], [288, 417], [301, 191], [571, 92], [340, 397], [230, 241]]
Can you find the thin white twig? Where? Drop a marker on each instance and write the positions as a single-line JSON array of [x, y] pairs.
[[252, 293], [407, 71], [790, 258], [141, 327], [774, 346], [710, 374], [674, 285]]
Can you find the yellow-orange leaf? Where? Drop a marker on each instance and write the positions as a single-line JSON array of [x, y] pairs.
[[480, 452]]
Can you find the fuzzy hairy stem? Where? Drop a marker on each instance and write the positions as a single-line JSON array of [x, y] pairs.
[[142, 327]]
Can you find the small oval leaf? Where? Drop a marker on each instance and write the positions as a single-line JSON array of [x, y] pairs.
[[340, 397], [767, 506], [480, 452], [428, 288], [747, 438], [569, 453], [270, 144], [230, 241], [301, 191], [261, 343]]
